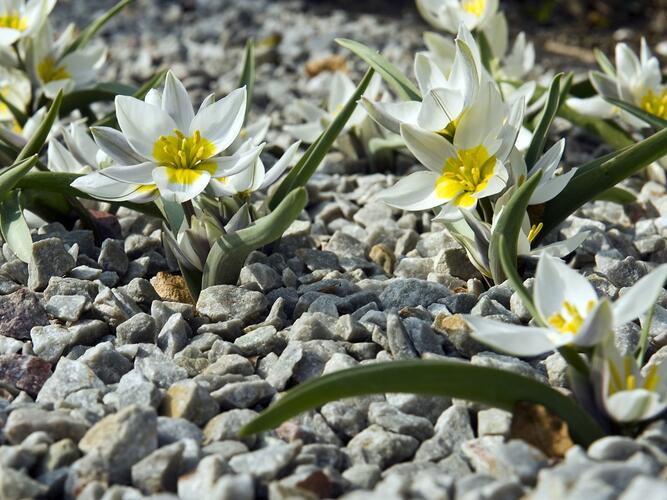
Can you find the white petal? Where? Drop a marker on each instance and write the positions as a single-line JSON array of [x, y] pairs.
[[176, 102], [135, 174], [280, 166], [562, 248], [428, 74], [342, 89], [208, 100], [439, 108], [640, 297], [231, 165], [591, 106], [551, 188], [555, 282], [114, 143], [524, 341], [61, 160], [180, 185], [634, 406], [107, 189], [8, 36], [597, 325], [432, 150], [142, 124], [154, 98], [308, 111], [414, 192], [390, 115], [221, 122]]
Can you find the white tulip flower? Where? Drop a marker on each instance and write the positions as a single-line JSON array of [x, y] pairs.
[[54, 69], [626, 392], [462, 172], [444, 98], [19, 19], [318, 119], [635, 80], [571, 309], [170, 146], [448, 15], [15, 88], [80, 155]]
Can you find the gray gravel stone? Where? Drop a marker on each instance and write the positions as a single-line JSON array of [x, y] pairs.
[[107, 363], [224, 302], [260, 277], [266, 463], [68, 377], [411, 292], [158, 471], [113, 257], [138, 329], [376, 446], [67, 307], [48, 258], [174, 335], [243, 394], [186, 399], [260, 342], [19, 312], [57, 425], [391, 419], [400, 344], [227, 426]]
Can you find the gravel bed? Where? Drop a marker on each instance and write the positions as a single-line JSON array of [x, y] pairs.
[[113, 387]]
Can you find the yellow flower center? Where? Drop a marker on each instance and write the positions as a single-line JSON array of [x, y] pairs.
[[14, 20], [475, 7], [464, 175], [655, 104], [449, 131], [569, 319], [181, 152], [628, 382], [48, 70]]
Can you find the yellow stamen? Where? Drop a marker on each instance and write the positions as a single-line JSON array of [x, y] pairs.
[[475, 7], [14, 20], [181, 152], [464, 175], [655, 104], [652, 378], [534, 231], [49, 71], [569, 319]]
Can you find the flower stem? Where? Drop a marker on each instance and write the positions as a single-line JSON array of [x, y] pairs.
[[643, 338], [573, 359]]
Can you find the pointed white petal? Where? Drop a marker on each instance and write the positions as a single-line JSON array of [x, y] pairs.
[[306, 132], [221, 121], [524, 341], [280, 166], [640, 297], [176, 102], [180, 184], [430, 149], [114, 143], [597, 325], [414, 192], [142, 124], [390, 115], [342, 89]]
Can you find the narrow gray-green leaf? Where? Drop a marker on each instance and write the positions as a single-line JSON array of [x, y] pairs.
[[230, 251], [39, 137], [18, 115], [311, 159], [544, 123], [13, 175], [604, 63], [509, 225], [617, 195], [607, 130], [14, 228], [103, 92], [595, 181], [248, 73], [653, 120], [89, 31], [400, 83], [491, 386]]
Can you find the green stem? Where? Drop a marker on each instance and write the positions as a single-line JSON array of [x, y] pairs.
[[643, 338], [573, 359]]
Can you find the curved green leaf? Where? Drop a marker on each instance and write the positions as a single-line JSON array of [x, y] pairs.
[[611, 133], [617, 195], [311, 159], [594, 181], [13, 175], [18, 115], [400, 83], [491, 386], [653, 120], [544, 123], [230, 251], [103, 92], [509, 226], [89, 31], [39, 137], [14, 228], [248, 72]]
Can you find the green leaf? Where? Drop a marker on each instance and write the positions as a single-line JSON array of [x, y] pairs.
[[485, 51], [39, 137], [653, 120], [617, 195], [14, 228], [103, 92], [315, 153], [89, 31], [607, 130], [491, 386], [59, 182], [546, 118], [173, 213], [248, 73], [594, 181], [230, 251], [508, 264], [509, 226], [13, 175], [400, 83]]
